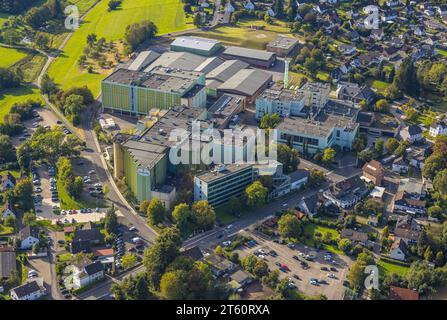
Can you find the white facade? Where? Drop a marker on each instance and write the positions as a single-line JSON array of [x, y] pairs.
[[437, 130], [397, 254]]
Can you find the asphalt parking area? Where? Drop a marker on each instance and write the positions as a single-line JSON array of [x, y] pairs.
[[332, 288]]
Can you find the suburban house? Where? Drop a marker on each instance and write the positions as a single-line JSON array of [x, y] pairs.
[[346, 193], [28, 237], [32, 290], [219, 265], [373, 171], [193, 253], [397, 293], [7, 264], [354, 92], [9, 182], [355, 236], [240, 279], [78, 246], [437, 128], [309, 205], [411, 133], [87, 272], [405, 203], [407, 229], [298, 179], [8, 210], [347, 49], [373, 221], [399, 250], [89, 233], [400, 165], [413, 187]]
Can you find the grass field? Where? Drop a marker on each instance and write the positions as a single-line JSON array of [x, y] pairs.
[[167, 15], [242, 35], [386, 267], [9, 97], [380, 86], [32, 66], [3, 18], [10, 56], [311, 229], [67, 202]]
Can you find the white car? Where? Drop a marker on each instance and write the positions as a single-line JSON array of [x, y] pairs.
[[132, 228], [32, 274], [91, 172], [261, 256], [226, 243]]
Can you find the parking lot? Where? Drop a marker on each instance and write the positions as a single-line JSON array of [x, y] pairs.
[[312, 276]]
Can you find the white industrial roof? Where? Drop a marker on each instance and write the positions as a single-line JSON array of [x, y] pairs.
[[195, 43]]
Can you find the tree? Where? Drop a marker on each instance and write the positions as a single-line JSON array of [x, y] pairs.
[[138, 32], [29, 218], [288, 157], [23, 194], [289, 226], [271, 280], [129, 260], [155, 211], [256, 194], [143, 206], [269, 121], [439, 260], [203, 214], [345, 245], [255, 266], [316, 177], [381, 106], [440, 182], [75, 189], [234, 206], [114, 4], [181, 215], [435, 212], [356, 275], [365, 155], [111, 221], [428, 254], [406, 79], [278, 7], [378, 148], [47, 85], [328, 155], [41, 40], [198, 21], [391, 145], [6, 149], [173, 285]]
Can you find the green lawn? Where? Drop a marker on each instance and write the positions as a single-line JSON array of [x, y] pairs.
[[442, 52], [4, 231], [10, 56], [311, 229], [380, 86], [31, 67], [67, 202], [386, 267], [9, 97], [167, 15], [82, 5], [242, 34]]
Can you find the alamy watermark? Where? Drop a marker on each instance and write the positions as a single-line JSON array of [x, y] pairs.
[[372, 279], [72, 19], [229, 146]]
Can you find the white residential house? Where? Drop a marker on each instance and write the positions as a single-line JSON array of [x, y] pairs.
[[298, 179], [8, 210], [438, 128], [400, 165], [309, 205], [29, 291], [86, 273], [411, 133], [398, 250], [28, 237], [347, 49], [249, 6], [270, 12], [9, 182]]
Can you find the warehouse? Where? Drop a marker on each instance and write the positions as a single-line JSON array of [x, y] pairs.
[[144, 59], [197, 45], [247, 82], [134, 92], [225, 109], [256, 58], [222, 73], [177, 60], [283, 46]]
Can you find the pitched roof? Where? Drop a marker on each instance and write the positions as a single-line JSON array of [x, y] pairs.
[[28, 232], [246, 81], [397, 293], [194, 253], [373, 168], [249, 53], [87, 235], [78, 246], [399, 243], [354, 235], [7, 263], [26, 289], [93, 268]]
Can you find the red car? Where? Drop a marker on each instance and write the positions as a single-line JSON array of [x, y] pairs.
[[285, 267]]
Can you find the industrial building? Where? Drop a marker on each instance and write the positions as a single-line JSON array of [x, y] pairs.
[[225, 110], [246, 82], [143, 160], [222, 183], [137, 93], [334, 124], [197, 45], [283, 46], [255, 58], [144, 59]]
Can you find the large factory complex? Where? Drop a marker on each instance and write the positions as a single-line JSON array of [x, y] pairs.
[[201, 80]]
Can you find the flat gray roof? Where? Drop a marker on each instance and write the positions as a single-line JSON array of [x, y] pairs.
[[222, 171], [209, 65], [180, 117], [283, 42], [249, 53], [195, 43], [143, 59], [246, 81], [177, 60], [7, 264], [226, 70]]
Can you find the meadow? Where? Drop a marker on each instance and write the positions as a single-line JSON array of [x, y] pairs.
[[9, 57], [9, 97], [167, 15]]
